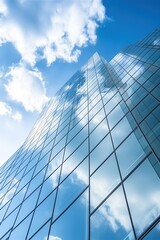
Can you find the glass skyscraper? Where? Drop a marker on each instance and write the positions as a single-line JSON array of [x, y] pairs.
[[90, 168]]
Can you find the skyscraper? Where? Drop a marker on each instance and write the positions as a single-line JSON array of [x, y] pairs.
[[90, 168]]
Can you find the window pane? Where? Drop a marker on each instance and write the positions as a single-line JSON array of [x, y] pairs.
[[154, 234], [8, 222], [73, 224], [103, 181], [21, 231], [49, 185], [98, 133], [42, 213], [111, 220], [100, 153], [78, 180], [129, 154], [42, 233], [74, 159], [115, 116], [27, 206], [121, 130], [143, 193]]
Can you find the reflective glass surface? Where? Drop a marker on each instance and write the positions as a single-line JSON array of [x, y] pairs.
[[90, 167], [143, 201]]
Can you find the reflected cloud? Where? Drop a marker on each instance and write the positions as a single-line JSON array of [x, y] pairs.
[[9, 193], [79, 176], [53, 238], [130, 63], [114, 213], [147, 211], [156, 42]]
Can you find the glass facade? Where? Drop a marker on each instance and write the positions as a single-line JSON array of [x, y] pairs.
[[90, 168]]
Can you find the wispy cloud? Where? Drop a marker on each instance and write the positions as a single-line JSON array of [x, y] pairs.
[[6, 110]]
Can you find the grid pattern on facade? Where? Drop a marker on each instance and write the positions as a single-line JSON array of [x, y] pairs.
[[90, 167]]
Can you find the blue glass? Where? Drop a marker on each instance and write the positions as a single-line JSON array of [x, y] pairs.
[[42, 214], [103, 181], [111, 220], [20, 231], [77, 180], [154, 233], [121, 131], [73, 224], [143, 201], [100, 153], [129, 154]]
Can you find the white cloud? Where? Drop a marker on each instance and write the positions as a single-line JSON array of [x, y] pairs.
[[3, 8], [53, 238], [26, 87], [17, 116], [5, 109], [57, 30]]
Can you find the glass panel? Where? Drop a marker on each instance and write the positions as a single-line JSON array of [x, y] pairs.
[[3, 211], [61, 134], [8, 222], [129, 154], [121, 130], [115, 116], [74, 159], [42, 213], [49, 185], [154, 234], [97, 119], [81, 114], [6, 236], [73, 132], [73, 224], [58, 147], [144, 202], [42, 233], [99, 133], [25, 179], [112, 102], [78, 180], [20, 231], [103, 181], [32, 163], [111, 220], [56, 161], [9, 194], [35, 182], [100, 153], [80, 137], [17, 199], [27, 206], [42, 163]]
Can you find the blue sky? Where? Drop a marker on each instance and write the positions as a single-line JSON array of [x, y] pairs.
[[43, 43]]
